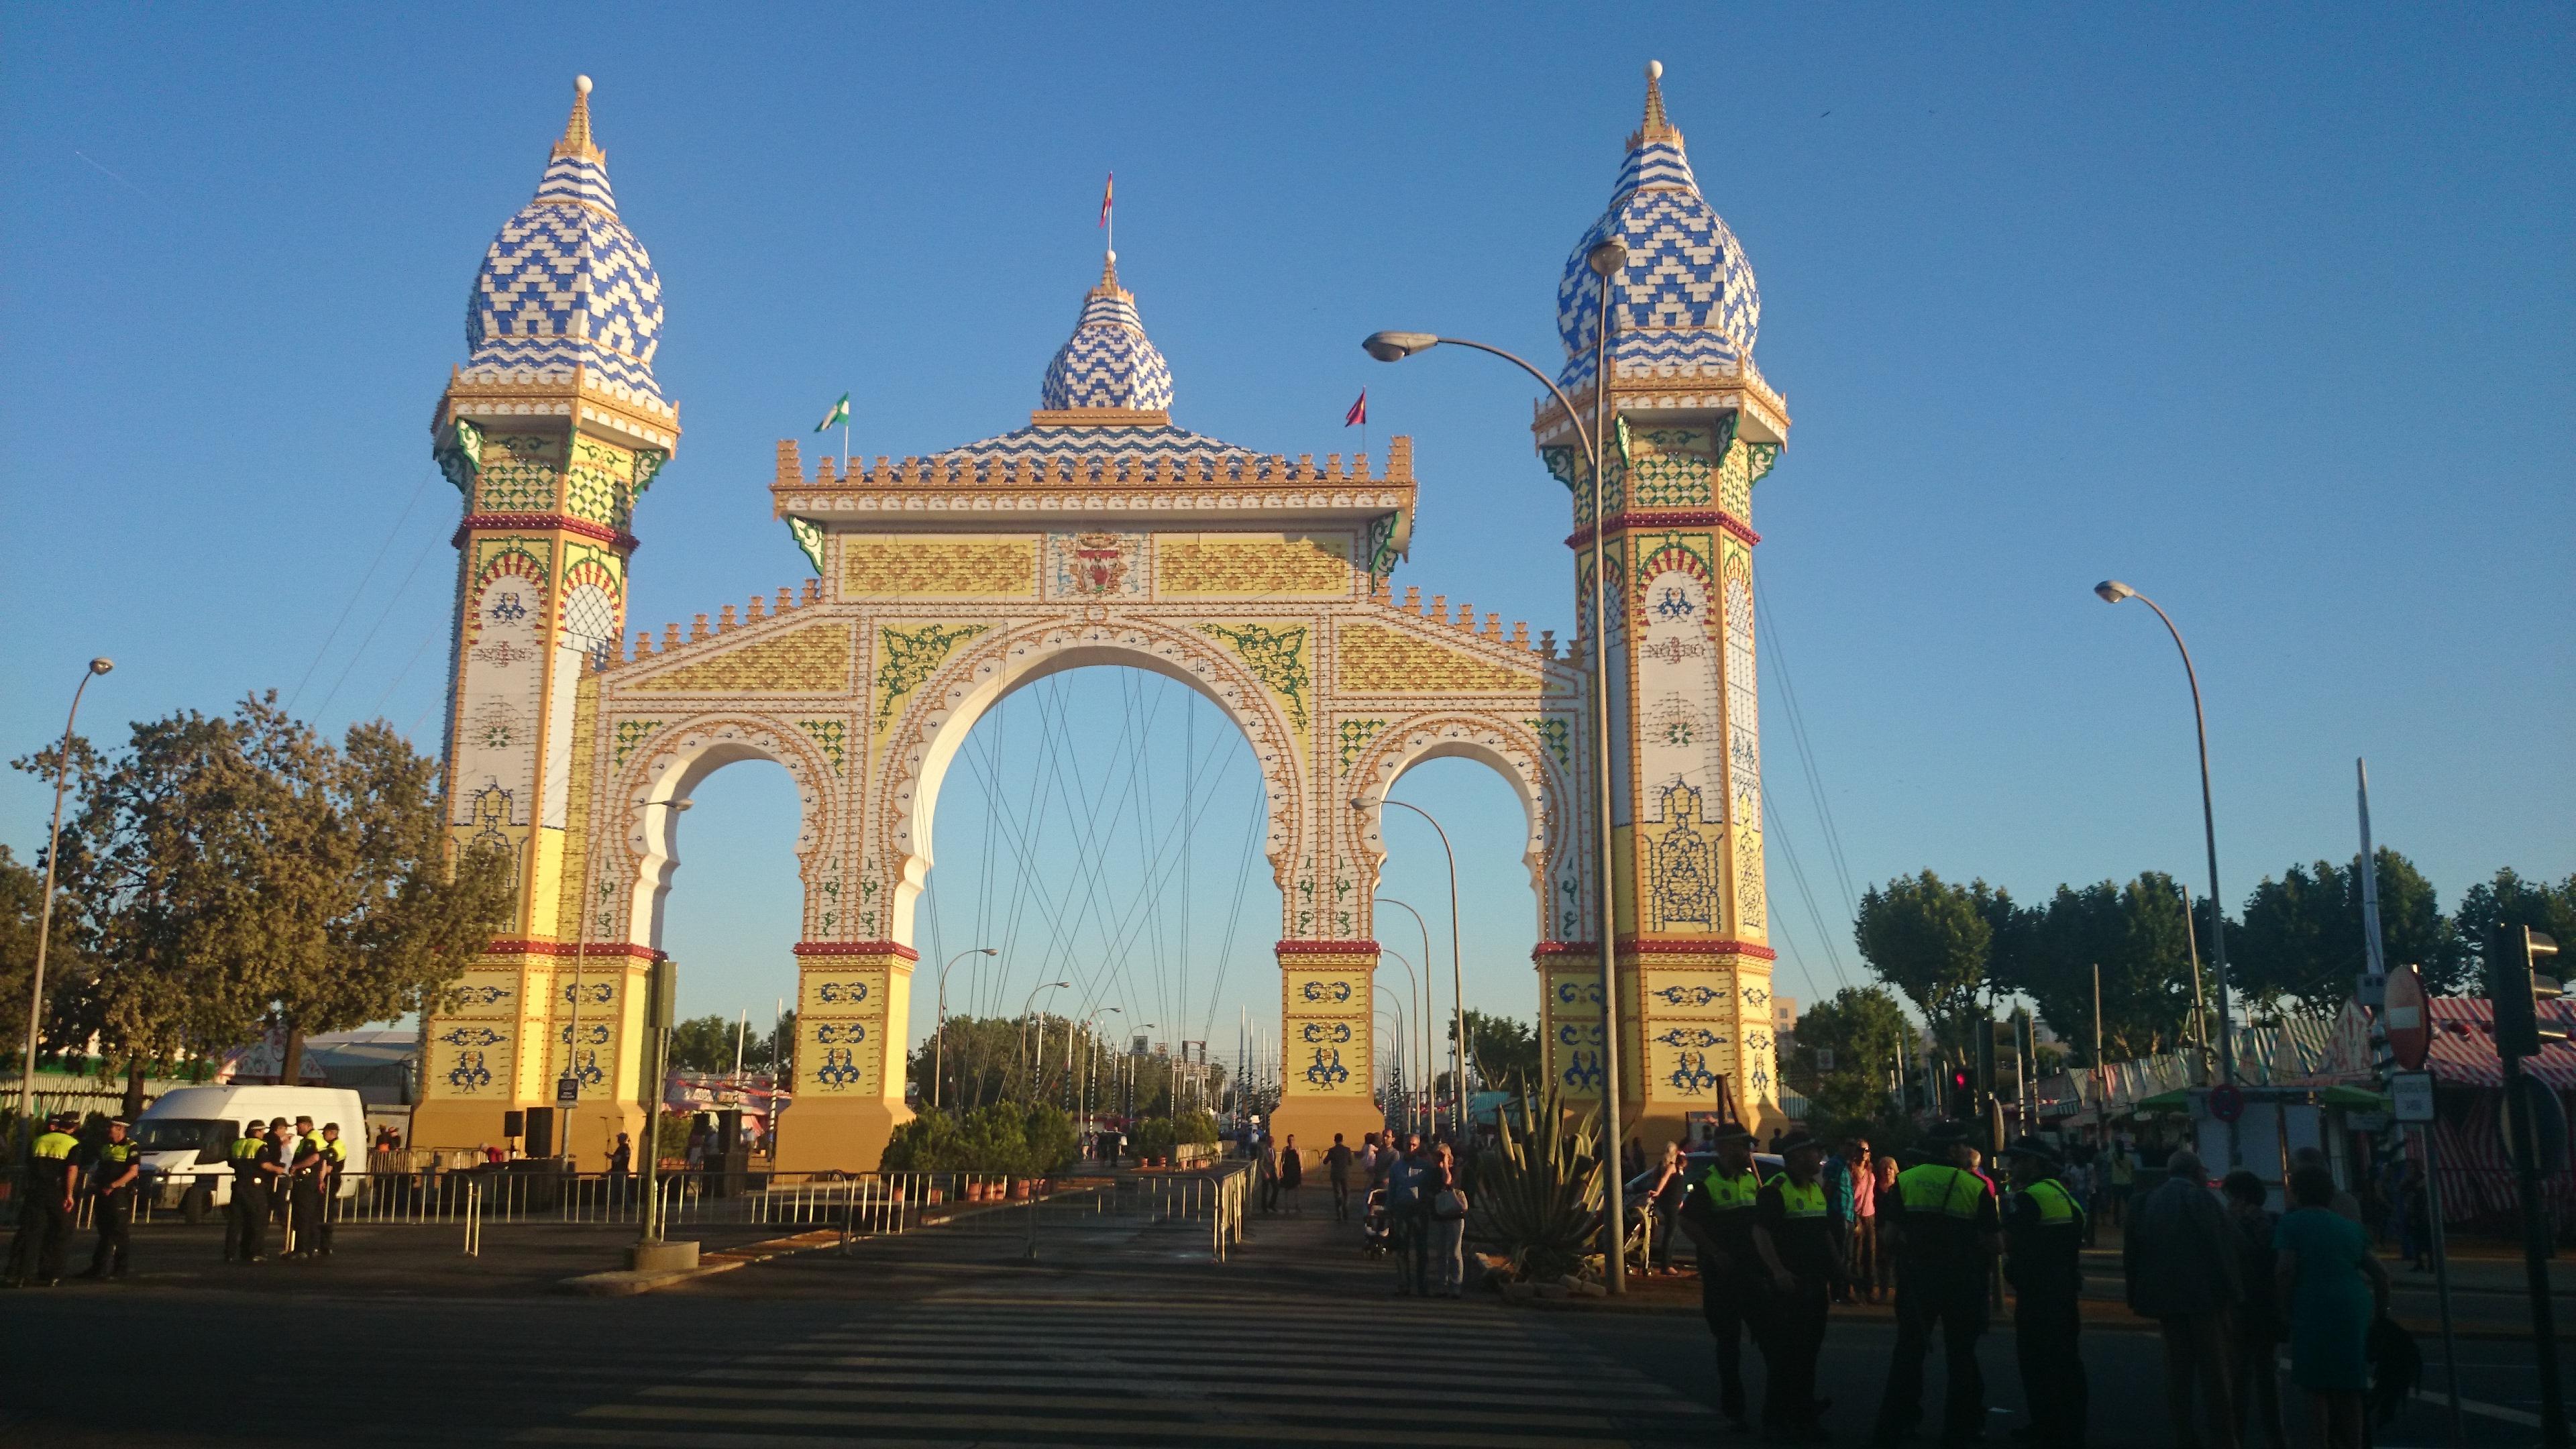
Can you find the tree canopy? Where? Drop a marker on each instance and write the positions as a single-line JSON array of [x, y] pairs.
[[1864, 1030], [1929, 939]]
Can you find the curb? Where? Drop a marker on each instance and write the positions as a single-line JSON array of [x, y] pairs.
[[626, 1282]]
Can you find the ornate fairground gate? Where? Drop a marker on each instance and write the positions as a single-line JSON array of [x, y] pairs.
[[1098, 534]]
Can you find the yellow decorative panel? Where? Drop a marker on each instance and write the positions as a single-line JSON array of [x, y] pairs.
[[1685, 993], [840, 991], [1215, 563], [812, 660], [1326, 993], [1003, 566], [1377, 660], [470, 1060]]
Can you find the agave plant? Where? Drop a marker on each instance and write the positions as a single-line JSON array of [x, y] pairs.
[[1539, 1191]]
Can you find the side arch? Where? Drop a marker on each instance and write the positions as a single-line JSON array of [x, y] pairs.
[[942, 712], [1538, 778], [641, 843]]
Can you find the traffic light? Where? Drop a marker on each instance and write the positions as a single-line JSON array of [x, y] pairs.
[[2517, 988], [1959, 1094], [1998, 1061]]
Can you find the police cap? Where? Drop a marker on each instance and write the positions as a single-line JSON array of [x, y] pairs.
[[1731, 1132], [2036, 1150]]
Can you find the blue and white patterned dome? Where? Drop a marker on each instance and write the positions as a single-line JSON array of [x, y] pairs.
[[1107, 362], [1686, 297], [565, 282]]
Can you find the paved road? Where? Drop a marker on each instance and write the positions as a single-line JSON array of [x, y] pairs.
[[1121, 1333]]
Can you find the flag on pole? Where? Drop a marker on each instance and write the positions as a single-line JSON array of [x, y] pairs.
[[1107, 187], [840, 413], [1358, 415], [1625, 461]]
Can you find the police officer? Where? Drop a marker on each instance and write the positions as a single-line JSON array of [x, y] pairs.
[[276, 1156], [306, 1170], [1718, 1216], [114, 1172], [1946, 1235], [335, 1163], [2044, 1231], [249, 1206], [45, 1218], [1794, 1235]]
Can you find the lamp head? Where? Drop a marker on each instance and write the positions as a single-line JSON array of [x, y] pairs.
[[1397, 346], [101, 665], [1607, 257], [2113, 591], [990, 951]]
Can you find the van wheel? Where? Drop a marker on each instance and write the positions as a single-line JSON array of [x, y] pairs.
[[196, 1206]]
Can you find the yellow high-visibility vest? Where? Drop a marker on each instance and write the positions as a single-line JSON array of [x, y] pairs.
[[1939, 1188]]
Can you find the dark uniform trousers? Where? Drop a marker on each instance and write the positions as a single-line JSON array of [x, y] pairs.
[[114, 1219], [2045, 1324], [1953, 1299], [251, 1202], [307, 1222], [1735, 1310], [1793, 1333], [44, 1234], [240, 1216]]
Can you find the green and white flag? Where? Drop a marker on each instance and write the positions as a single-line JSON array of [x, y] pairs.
[[809, 537], [840, 413]]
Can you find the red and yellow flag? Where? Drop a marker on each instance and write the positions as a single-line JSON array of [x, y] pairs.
[[1106, 188], [1358, 415]]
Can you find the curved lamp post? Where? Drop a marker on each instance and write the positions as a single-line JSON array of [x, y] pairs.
[[1025, 1008], [45, 914], [1090, 1049], [1457, 979], [1604, 259], [1422, 1022], [2113, 591], [939, 1052], [1416, 1052]]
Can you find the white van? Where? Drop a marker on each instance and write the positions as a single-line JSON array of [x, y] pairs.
[[187, 1135]]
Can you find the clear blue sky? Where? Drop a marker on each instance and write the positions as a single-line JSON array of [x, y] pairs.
[[2269, 315]]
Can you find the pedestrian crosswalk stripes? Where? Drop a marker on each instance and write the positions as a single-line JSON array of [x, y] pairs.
[[1027, 1369]]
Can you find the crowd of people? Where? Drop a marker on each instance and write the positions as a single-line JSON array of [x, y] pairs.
[[281, 1173]]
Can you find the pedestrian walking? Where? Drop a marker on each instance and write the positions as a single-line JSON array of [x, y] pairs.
[[2124, 1176], [1793, 1234], [621, 1163], [2254, 1358], [1445, 1200], [2180, 1262], [1718, 1215], [45, 1216], [1946, 1227], [1406, 1219], [1337, 1169], [1860, 1265], [1292, 1175], [115, 1167], [2333, 1288], [1267, 1174], [2044, 1246], [1664, 1204], [304, 1200]]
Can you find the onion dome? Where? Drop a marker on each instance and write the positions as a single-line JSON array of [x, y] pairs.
[[565, 284], [1686, 298], [1107, 363]]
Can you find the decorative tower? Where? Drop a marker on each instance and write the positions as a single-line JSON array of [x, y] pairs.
[[551, 429], [1693, 427]]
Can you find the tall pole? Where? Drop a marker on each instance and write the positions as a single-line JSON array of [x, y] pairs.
[[2113, 592], [939, 1047], [1407, 1042], [1457, 986], [45, 913], [1604, 259], [2199, 1010], [2101, 1095], [1422, 1019]]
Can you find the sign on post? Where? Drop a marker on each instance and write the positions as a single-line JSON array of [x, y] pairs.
[[2226, 1102], [567, 1090], [2411, 1092]]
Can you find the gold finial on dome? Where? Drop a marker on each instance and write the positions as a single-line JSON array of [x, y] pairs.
[[1656, 127], [576, 137], [1109, 278]]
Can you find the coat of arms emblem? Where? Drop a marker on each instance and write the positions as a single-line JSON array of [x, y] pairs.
[[1098, 565]]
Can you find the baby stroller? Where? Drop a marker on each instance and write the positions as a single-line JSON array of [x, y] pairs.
[[1377, 1225]]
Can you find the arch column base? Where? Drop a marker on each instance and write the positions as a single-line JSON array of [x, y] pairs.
[[1328, 1045], [853, 999]]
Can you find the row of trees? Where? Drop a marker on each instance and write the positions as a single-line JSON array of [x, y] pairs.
[[223, 874], [2297, 947], [1050, 1059], [712, 1044]]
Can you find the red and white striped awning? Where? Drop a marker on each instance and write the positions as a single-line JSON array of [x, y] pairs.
[[2463, 1053]]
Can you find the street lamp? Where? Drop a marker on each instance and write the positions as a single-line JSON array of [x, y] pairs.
[[2112, 592], [1422, 1023], [939, 1051], [1025, 1008], [45, 913], [1090, 1049], [1403, 1047], [1604, 259], [1457, 979]]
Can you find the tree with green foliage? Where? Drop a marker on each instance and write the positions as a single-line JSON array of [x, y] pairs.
[[1000, 1137], [1863, 1029], [2303, 937], [2492, 907], [2137, 934], [1929, 939], [1505, 1051], [22, 899], [227, 873]]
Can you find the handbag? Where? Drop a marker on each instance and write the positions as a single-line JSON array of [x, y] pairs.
[[1450, 1206]]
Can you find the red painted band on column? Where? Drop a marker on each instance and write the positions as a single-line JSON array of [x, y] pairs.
[[1643, 518], [561, 522]]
